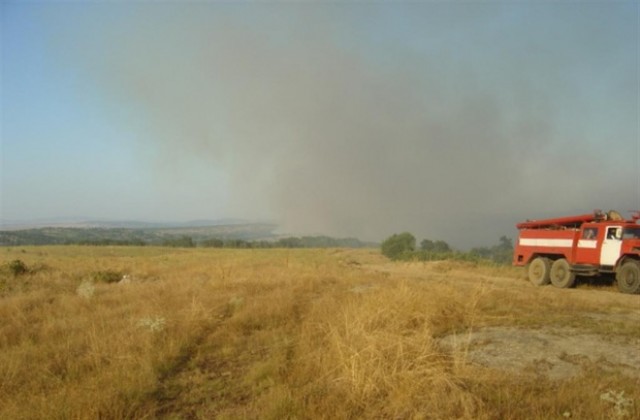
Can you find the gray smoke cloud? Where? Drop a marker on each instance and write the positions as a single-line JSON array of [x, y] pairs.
[[463, 124]]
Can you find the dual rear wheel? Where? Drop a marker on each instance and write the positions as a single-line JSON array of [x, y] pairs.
[[543, 271], [539, 271], [561, 274]]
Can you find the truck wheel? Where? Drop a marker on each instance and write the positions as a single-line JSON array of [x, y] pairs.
[[628, 277], [561, 274], [538, 271]]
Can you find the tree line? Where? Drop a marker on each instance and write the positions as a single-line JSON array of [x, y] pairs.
[[156, 237], [288, 242], [402, 246]]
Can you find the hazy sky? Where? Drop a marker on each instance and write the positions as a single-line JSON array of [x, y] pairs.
[[452, 120]]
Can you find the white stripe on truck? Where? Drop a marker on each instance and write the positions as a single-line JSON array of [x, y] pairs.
[[587, 243], [562, 243]]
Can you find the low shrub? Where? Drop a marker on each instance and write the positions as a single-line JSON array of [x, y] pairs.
[[107, 276], [17, 267]]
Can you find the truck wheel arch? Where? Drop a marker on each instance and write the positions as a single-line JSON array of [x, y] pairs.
[[551, 257], [623, 259]]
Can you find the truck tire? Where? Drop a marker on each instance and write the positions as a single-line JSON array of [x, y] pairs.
[[628, 277], [538, 271], [561, 274]]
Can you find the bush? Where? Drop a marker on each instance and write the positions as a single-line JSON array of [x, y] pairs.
[[397, 245], [437, 246], [107, 276], [402, 247], [17, 267]]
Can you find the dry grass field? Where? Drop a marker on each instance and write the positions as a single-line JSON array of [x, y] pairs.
[[118, 332]]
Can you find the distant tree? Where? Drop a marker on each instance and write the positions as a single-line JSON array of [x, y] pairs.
[[237, 243], [501, 253], [262, 244], [213, 243], [426, 245], [398, 244], [181, 242], [505, 243], [291, 242], [434, 246], [441, 246], [481, 251]]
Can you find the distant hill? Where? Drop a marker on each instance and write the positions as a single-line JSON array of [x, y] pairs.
[[7, 225], [228, 233], [134, 233]]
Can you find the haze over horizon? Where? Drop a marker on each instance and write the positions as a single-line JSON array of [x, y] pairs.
[[451, 120]]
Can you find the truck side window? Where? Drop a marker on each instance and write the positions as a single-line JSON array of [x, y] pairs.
[[631, 233], [590, 233]]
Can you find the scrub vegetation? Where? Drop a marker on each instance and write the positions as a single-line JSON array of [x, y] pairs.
[[402, 247], [147, 332]]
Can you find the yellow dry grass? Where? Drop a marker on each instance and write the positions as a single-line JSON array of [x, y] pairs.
[[204, 333]]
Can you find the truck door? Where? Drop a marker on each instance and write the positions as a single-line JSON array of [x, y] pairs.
[[587, 251], [611, 245]]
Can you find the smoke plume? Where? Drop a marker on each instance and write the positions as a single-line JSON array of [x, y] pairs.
[[452, 123]]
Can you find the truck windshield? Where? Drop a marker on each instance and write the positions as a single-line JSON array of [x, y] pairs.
[[631, 233]]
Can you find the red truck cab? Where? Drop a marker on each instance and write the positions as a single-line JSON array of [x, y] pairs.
[[557, 250]]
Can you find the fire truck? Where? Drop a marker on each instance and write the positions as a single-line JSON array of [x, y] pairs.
[[600, 243]]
